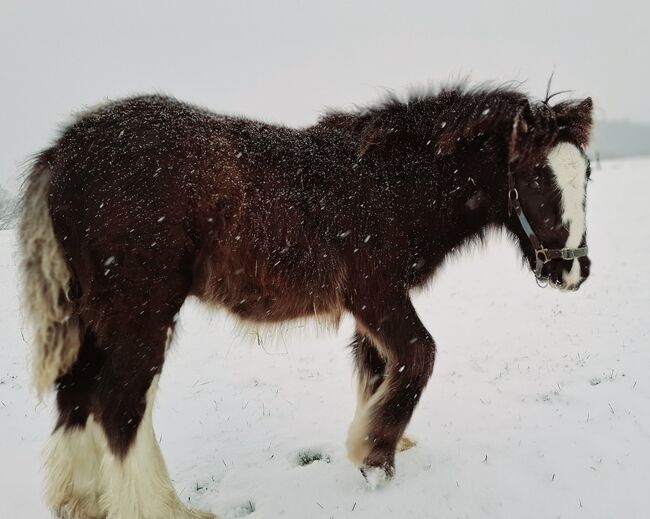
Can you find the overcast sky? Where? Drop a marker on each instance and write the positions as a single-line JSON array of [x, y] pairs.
[[285, 61]]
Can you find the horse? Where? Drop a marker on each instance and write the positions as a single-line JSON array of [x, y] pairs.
[[144, 201]]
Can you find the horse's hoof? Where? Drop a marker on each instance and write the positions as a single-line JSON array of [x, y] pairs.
[[405, 443], [376, 477]]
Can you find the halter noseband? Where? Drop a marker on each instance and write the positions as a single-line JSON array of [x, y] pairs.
[[542, 254]]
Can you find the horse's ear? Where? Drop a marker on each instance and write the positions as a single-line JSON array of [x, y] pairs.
[[518, 132], [575, 120]]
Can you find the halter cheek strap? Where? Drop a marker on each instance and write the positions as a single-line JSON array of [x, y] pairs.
[[542, 254]]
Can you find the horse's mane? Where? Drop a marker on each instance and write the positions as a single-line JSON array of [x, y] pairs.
[[454, 104], [444, 115], [448, 114]]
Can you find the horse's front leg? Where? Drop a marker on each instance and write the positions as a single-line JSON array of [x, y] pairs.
[[408, 350]]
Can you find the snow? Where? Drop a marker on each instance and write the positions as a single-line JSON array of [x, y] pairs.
[[539, 406]]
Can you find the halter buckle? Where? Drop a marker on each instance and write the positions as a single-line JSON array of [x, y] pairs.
[[542, 255], [568, 254]]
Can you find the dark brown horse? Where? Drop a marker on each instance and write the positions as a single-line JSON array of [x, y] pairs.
[[145, 201]]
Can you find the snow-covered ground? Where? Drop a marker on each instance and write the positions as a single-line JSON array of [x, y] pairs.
[[539, 406]]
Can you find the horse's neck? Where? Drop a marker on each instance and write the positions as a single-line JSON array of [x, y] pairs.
[[470, 196], [456, 198]]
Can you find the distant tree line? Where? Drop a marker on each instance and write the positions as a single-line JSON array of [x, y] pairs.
[[617, 139]]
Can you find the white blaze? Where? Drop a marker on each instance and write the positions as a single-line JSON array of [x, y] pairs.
[[569, 167]]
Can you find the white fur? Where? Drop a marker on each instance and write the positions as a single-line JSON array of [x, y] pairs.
[[569, 167], [46, 280], [572, 277], [85, 480], [138, 486], [73, 485], [357, 443]]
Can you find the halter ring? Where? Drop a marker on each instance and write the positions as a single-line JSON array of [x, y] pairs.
[[542, 255]]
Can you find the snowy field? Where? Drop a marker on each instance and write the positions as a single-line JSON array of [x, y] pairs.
[[539, 406]]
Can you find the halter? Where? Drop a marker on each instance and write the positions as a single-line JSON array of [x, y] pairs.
[[542, 254]]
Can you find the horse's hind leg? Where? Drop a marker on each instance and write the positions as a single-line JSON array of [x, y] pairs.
[[136, 481], [76, 447], [387, 401]]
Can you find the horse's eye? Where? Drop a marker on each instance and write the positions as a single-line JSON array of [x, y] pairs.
[[534, 184]]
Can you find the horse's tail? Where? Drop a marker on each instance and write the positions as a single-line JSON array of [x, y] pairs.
[[46, 282]]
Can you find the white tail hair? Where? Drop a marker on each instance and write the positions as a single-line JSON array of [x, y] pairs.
[[46, 281]]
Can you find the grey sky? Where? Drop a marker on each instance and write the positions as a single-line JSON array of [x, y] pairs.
[[285, 61]]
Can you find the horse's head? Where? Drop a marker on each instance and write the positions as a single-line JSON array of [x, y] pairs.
[[548, 175]]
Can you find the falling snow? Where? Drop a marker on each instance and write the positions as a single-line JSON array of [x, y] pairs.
[[538, 406]]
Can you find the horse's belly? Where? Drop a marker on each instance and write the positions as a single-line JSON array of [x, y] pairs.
[[253, 300], [278, 308]]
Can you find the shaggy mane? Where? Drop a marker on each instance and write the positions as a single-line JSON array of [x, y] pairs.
[[443, 116]]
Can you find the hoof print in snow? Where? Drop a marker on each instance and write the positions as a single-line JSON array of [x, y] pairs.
[[243, 510], [309, 456]]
